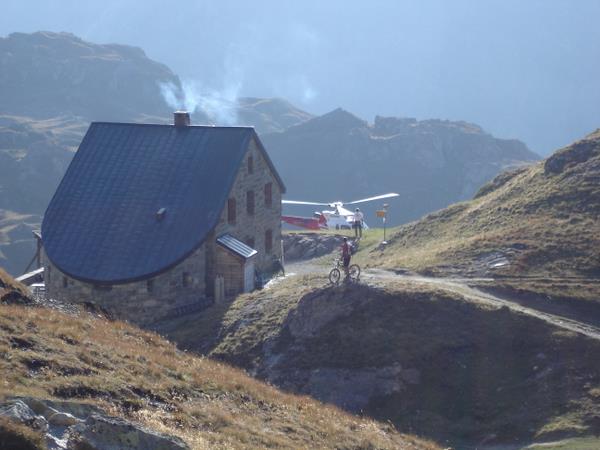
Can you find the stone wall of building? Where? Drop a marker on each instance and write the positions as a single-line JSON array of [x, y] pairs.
[[251, 228], [141, 302]]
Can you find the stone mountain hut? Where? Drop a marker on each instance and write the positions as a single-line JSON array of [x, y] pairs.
[[148, 217]]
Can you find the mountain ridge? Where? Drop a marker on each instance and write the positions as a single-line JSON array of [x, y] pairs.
[[431, 163]]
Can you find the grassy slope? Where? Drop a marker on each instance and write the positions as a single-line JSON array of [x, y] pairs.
[[483, 372], [545, 220], [7, 284], [140, 376]]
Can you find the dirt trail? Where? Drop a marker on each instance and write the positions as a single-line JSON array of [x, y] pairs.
[[460, 286]]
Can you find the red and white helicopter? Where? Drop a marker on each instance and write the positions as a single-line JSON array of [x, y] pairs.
[[338, 218]]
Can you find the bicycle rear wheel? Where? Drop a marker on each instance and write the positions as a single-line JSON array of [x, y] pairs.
[[334, 276], [354, 272]]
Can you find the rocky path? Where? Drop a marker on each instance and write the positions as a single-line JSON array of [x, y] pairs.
[[461, 287]]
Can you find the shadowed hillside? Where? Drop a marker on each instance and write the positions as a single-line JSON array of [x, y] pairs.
[[430, 360]]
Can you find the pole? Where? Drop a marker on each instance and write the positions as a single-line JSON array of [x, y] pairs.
[[385, 207]]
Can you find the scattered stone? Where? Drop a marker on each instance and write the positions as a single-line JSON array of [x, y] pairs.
[[62, 419]]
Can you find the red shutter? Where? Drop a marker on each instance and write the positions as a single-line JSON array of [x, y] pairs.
[[250, 202], [268, 194]]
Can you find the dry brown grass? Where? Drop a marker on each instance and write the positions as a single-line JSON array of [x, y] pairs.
[[16, 436], [7, 283], [547, 222], [141, 376]]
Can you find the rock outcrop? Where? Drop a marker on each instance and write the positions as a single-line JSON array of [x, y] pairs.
[[79, 426]]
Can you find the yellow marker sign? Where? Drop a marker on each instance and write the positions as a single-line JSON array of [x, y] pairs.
[[381, 213]]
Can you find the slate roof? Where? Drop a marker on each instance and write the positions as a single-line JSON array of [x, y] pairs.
[[236, 246], [103, 224]]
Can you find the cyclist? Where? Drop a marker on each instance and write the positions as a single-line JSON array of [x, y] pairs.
[[346, 254]]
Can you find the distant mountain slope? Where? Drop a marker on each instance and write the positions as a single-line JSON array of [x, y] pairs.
[[47, 74], [34, 154], [540, 220], [269, 115], [431, 163]]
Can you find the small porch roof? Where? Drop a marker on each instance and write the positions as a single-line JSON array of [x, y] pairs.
[[236, 246]]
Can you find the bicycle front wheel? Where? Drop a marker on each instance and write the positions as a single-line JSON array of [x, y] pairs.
[[354, 272], [334, 276]]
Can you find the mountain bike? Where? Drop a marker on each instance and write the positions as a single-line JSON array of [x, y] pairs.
[[335, 275]]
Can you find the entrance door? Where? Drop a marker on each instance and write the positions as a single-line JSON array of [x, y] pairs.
[[249, 276]]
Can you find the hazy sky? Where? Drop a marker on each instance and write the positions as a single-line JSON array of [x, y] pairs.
[[523, 69]]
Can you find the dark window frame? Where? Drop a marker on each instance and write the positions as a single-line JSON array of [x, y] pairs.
[[269, 195], [231, 210], [268, 241], [250, 165], [250, 203]]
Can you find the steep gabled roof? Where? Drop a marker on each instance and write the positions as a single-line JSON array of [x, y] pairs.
[[137, 199]]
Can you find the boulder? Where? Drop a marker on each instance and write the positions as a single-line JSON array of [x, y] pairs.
[[80, 426], [62, 419], [100, 432], [18, 411]]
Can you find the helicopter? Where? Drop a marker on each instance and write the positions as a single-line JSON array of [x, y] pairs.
[[337, 218]]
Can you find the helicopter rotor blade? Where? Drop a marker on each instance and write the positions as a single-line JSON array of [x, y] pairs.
[[297, 202], [378, 197]]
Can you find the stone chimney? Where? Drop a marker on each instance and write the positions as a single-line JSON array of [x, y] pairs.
[[181, 119]]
